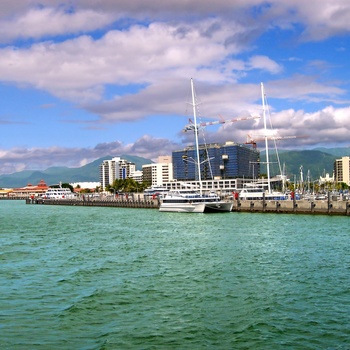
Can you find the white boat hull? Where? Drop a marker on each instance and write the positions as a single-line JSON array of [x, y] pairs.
[[196, 207], [218, 207], [182, 207]]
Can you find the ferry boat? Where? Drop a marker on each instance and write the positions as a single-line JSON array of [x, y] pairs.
[[59, 193]]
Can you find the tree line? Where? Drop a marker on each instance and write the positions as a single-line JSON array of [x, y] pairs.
[[127, 186]]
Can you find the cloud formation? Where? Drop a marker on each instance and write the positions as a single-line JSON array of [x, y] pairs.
[[118, 62], [18, 159]]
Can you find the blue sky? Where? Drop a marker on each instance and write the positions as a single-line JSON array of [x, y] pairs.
[[83, 79]]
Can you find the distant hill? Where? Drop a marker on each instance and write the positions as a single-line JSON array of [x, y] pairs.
[[338, 152], [54, 175], [315, 161]]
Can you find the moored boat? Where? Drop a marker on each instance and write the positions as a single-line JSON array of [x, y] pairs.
[[59, 193], [258, 193], [193, 200]]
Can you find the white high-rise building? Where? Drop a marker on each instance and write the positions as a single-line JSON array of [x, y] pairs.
[[158, 173], [113, 169]]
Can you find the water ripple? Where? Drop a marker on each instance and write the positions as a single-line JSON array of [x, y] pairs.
[[105, 278]]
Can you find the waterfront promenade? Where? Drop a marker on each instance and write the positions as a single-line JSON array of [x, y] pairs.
[[316, 207]]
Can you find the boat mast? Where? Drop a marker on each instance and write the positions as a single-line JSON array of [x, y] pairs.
[[196, 136], [266, 139]]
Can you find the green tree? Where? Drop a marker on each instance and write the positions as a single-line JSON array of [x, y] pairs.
[[64, 185], [128, 185]]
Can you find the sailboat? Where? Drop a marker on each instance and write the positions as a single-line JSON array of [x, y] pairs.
[[254, 191], [192, 200]]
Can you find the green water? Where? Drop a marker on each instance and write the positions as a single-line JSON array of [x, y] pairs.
[[118, 278]]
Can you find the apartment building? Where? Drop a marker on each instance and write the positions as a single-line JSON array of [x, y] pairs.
[[113, 169], [342, 170], [160, 172]]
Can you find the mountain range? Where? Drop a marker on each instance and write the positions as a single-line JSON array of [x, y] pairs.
[[54, 175], [317, 162]]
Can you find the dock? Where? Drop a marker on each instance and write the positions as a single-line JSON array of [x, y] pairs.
[[96, 202], [316, 207]]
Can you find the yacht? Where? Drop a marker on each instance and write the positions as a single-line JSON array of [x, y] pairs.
[[193, 200], [256, 191]]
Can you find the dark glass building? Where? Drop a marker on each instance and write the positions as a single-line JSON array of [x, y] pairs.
[[226, 161]]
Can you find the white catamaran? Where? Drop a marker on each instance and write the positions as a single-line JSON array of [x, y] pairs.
[[192, 200], [256, 191]]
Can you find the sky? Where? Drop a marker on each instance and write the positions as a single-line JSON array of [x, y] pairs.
[[83, 79]]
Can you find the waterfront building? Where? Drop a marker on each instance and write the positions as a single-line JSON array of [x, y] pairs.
[[30, 190], [223, 186], [342, 170], [160, 172], [91, 185], [5, 192], [227, 161], [113, 169]]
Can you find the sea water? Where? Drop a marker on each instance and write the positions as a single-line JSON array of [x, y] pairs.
[[120, 278]]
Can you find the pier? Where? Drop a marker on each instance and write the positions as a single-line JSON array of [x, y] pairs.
[[316, 207], [96, 202]]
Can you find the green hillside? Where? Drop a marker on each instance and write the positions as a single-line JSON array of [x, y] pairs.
[[315, 161], [338, 152]]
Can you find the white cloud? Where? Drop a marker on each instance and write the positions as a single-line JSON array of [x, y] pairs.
[[327, 126], [320, 21], [323, 127], [44, 22], [264, 63], [77, 69], [20, 158]]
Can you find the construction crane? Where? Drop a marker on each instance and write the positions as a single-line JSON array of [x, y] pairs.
[[253, 141], [191, 126]]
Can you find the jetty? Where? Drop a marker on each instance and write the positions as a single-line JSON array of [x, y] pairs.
[[139, 202], [313, 207]]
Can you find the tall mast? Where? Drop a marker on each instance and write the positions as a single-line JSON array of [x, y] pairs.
[[266, 139], [196, 136]]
